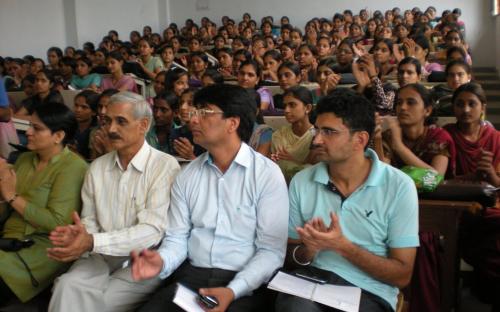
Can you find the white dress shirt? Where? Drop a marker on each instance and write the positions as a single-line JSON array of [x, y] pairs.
[[235, 220], [126, 209]]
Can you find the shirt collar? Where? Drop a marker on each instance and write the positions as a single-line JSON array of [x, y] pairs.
[[138, 161], [243, 157], [374, 178]]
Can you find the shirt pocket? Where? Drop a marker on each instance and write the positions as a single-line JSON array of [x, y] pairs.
[[243, 223]]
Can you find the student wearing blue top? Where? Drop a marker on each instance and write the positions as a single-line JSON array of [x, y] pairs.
[[227, 223], [83, 78], [353, 218]]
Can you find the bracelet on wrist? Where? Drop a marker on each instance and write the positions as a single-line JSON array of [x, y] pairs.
[[295, 258]]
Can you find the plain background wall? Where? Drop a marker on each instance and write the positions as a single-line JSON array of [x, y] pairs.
[[31, 26]]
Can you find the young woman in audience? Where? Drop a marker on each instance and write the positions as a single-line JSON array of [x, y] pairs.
[[85, 108], [457, 74], [199, 63], [240, 57], [259, 47], [248, 77], [272, 61], [83, 78], [345, 56], [182, 137], [118, 80], [98, 139], [177, 81], [291, 145], [477, 142], [288, 76], [167, 56], [371, 27], [324, 47], [409, 71], [151, 65], [159, 83], [44, 93], [225, 58], [382, 54], [410, 139], [99, 62], [36, 66], [326, 77], [54, 55], [419, 47], [210, 77], [306, 57], [287, 50], [296, 36], [165, 108], [355, 32], [260, 140], [42, 191]]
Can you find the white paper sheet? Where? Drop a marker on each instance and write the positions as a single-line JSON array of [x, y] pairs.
[[344, 298], [186, 299]]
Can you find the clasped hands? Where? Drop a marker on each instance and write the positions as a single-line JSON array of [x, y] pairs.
[[70, 241], [316, 236]]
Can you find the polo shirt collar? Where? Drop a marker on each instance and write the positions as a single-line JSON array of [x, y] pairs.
[[374, 178]]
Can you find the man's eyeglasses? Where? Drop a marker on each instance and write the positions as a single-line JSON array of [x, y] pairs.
[[203, 112], [328, 132]]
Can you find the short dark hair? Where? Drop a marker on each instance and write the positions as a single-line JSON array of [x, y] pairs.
[[411, 60], [58, 117], [234, 101], [300, 93], [214, 75], [172, 76], [56, 50], [91, 98], [473, 88], [169, 97], [355, 110], [452, 50]]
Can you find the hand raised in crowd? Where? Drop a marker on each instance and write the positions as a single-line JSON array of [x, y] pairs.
[[361, 75], [377, 132], [359, 51], [101, 143], [184, 148], [70, 241], [485, 169], [409, 47], [368, 65], [224, 296], [398, 54], [396, 133], [146, 264], [330, 83]]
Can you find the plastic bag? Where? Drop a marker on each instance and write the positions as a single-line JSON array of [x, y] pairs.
[[426, 180]]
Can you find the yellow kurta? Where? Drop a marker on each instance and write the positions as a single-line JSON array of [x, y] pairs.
[[52, 195], [298, 147]]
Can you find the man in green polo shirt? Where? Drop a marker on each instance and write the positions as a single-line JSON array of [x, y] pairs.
[[353, 218]]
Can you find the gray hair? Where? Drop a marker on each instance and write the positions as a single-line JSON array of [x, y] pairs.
[[140, 108]]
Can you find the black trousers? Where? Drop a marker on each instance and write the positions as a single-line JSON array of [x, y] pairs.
[[5, 293], [196, 278]]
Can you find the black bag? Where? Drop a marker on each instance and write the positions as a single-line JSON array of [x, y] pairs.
[[14, 244]]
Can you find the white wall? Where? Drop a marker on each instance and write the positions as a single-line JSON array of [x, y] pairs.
[[32, 26], [95, 18]]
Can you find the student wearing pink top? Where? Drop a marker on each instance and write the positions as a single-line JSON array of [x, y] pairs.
[[118, 80]]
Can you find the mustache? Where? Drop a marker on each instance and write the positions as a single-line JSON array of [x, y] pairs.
[[114, 136]]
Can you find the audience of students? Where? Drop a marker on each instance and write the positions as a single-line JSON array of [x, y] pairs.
[[192, 113]]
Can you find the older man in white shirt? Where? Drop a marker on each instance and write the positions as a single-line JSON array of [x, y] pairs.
[[125, 203]]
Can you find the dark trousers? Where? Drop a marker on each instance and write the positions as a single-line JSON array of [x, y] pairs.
[[6, 294], [196, 278], [288, 303]]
